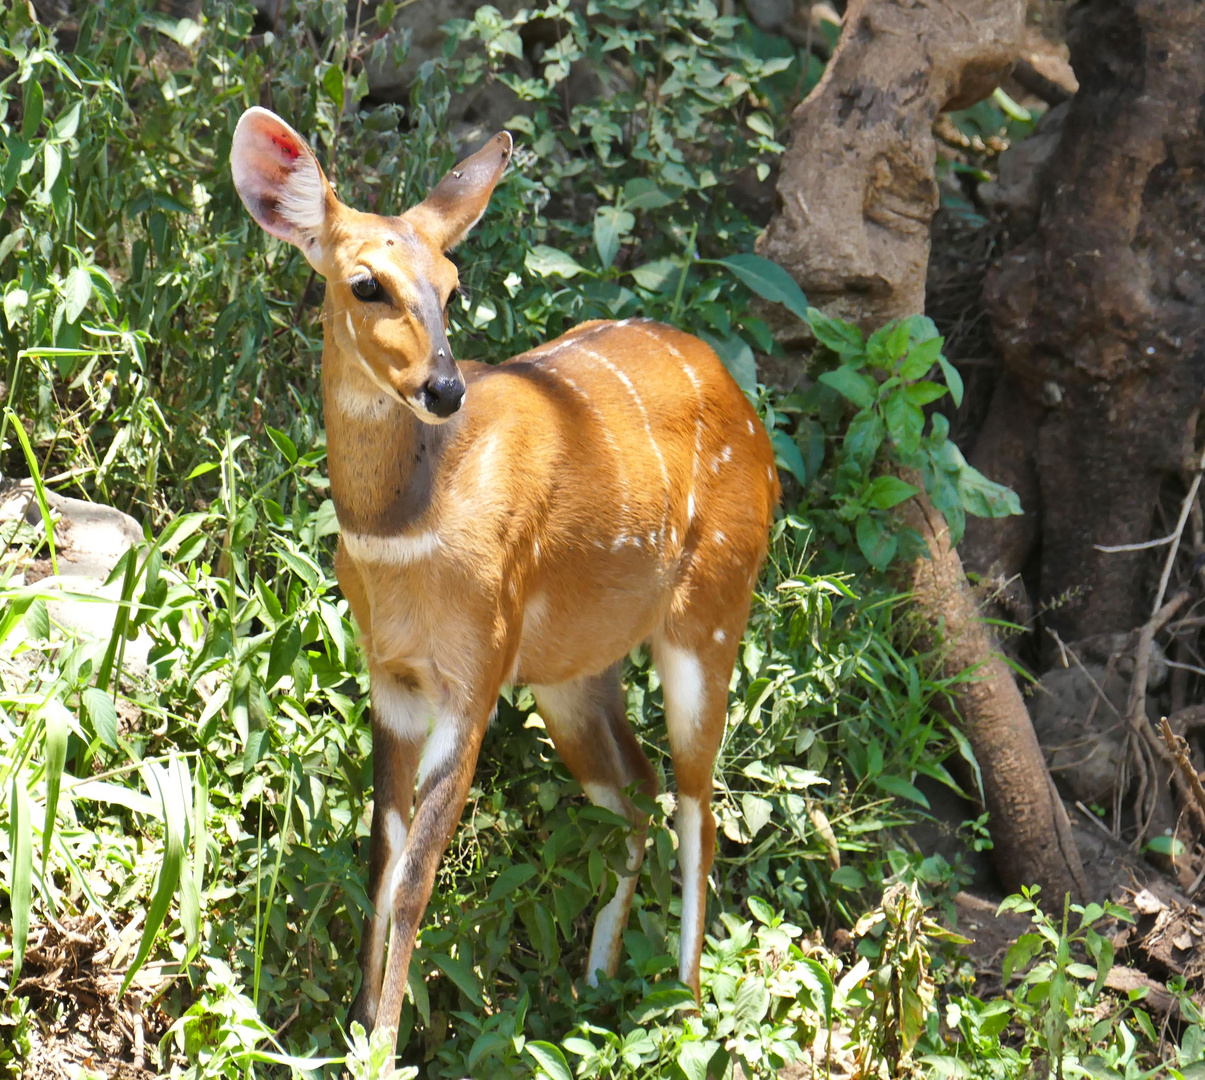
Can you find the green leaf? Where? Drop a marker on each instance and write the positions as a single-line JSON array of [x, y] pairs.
[[877, 543], [35, 102], [849, 877], [37, 621], [610, 224], [855, 386], [167, 781], [787, 455], [737, 357], [332, 83], [544, 261], [15, 302], [642, 194], [77, 291], [898, 786], [843, 338], [953, 380], [656, 275], [694, 1057], [52, 161], [751, 1003], [58, 727], [985, 498], [286, 446], [549, 1058], [922, 357], [761, 124], [462, 975], [863, 438], [921, 393], [286, 644], [65, 126], [888, 491], [905, 423], [660, 1001], [512, 878], [757, 812], [103, 714], [769, 280], [20, 847], [887, 344]]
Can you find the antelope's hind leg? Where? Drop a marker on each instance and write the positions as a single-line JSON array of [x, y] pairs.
[[694, 664], [587, 719]]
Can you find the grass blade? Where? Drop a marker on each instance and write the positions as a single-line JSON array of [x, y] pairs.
[[20, 841], [38, 487], [58, 727], [174, 825]]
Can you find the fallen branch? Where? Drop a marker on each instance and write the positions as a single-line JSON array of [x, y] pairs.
[[1178, 748]]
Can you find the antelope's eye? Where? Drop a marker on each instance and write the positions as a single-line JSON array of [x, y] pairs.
[[367, 289], [453, 295]]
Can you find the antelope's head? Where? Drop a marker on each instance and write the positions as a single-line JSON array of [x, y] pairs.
[[388, 279]]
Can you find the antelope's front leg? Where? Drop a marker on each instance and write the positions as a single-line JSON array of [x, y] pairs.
[[445, 772], [399, 730]]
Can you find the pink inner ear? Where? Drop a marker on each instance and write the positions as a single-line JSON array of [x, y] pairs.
[[285, 144]]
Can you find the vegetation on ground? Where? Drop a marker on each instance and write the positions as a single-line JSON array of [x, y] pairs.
[[210, 810]]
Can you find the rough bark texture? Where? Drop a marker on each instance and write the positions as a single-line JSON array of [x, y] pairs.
[[1030, 831], [1100, 316], [857, 189]]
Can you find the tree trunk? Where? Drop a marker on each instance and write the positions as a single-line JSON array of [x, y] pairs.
[[857, 192], [1100, 316]]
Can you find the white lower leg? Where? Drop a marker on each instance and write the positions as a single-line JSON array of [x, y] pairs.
[[395, 839], [688, 823], [607, 940]]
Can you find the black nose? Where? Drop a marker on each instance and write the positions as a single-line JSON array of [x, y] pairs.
[[443, 395]]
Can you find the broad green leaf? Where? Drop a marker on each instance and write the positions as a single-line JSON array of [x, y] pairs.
[[921, 359], [35, 102], [52, 160], [332, 83], [286, 644], [769, 280], [656, 275], [905, 423], [77, 291], [103, 714], [898, 786], [694, 1057], [843, 338], [761, 123], [512, 878], [15, 302], [888, 491], [757, 812], [849, 877], [37, 621], [751, 1003], [610, 225], [20, 847], [662, 1000], [953, 380], [887, 344], [286, 446], [544, 261], [787, 455], [58, 726], [863, 437], [923, 392], [855, 386], [876, 542], [642, 194], [737, 357], [985, 498], [462, 975], [65, 126], [549, 1058]]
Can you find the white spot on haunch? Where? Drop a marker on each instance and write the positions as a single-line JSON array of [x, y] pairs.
[[399, 550], [726, 454], [719, 537], [690, 507], [683, 686], [406, 714], [750, 423], [719, 637]]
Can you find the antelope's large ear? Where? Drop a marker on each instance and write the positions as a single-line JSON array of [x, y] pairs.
[[459, 199], [280, 181]]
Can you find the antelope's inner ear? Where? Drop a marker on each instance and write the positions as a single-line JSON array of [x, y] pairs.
[[280, 181]]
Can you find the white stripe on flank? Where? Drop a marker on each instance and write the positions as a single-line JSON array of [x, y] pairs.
[[688, 824], [648, 427], [400, 549]]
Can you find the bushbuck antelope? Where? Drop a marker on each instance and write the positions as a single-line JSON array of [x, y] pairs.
[[528, 522]]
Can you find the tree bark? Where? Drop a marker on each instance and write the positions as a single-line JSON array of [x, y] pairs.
[[857, 189], [1100, 315], [1031, 835], [857, 192]]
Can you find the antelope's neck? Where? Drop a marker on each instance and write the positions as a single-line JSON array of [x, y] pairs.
[[380, 457]]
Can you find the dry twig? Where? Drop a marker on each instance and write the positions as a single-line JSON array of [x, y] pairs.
[[1178, 749]]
